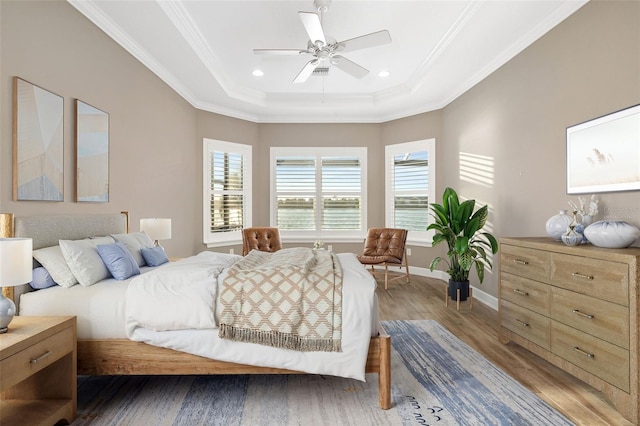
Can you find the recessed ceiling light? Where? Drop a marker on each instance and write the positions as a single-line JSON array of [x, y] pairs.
[[257, 73], [384, 74]]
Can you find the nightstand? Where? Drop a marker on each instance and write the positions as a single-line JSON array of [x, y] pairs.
[[38, 371]]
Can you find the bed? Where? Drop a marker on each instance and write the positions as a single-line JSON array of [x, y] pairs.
[[105, 350]]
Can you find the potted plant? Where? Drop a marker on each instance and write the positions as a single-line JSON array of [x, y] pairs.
[[460, 227]]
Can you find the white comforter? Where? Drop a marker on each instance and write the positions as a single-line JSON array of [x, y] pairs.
[[176, 307]]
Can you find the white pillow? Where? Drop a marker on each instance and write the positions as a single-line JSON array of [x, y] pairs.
[[84, 261], [135, 241], [53, 261]]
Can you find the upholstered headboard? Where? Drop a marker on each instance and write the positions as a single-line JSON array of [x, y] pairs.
[[46, 231]]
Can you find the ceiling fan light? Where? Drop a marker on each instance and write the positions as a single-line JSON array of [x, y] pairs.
[[257, 73]]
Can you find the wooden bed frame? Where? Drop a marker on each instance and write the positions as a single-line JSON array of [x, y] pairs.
[[126, 357]]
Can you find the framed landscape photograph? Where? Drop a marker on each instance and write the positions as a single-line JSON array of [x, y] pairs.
[[38, 143], [603, 154], [92, 154]]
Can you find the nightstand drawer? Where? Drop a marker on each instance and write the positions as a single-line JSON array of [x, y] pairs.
[[602, 359], [527, 293], [526, 323], [36, 357], [606, 320]]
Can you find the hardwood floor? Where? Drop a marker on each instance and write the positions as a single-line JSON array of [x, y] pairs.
[[423, 298]]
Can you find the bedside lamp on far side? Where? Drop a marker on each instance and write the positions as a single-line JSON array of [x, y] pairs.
[[156, 228], [16, 267]]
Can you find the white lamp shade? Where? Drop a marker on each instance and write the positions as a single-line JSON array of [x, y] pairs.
[[16, 264], [156, 228]]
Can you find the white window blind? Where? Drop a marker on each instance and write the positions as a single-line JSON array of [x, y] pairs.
[[317, 194], [410, 176], [227, 191]]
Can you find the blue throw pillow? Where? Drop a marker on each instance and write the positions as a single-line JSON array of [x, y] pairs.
[[118, 260], [41, 279], [154, 256]]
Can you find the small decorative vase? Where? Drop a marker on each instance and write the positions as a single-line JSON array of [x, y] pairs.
[[557, 225], [587, 220], [571, 237], [612, 233]]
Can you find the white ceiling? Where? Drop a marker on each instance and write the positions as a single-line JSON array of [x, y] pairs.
[[203, 49]]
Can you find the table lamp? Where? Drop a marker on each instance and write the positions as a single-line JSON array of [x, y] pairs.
[[156, 228], [16, 267]]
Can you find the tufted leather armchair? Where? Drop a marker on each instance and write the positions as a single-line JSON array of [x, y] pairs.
[[260, 238], [384, 247]]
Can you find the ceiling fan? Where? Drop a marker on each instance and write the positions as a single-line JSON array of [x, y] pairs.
[[325, 50]]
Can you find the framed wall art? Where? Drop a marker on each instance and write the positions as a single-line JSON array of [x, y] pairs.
[[603, 154], [92, 153], [38, 143]]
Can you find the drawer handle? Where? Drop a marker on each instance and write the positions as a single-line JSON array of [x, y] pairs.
[[522, 323], [579, 275], [582, 314], [521, 262], [521, 292], [580, 351], [40, 358]]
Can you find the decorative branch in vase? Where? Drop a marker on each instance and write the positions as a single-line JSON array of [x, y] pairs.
[[586, 212]]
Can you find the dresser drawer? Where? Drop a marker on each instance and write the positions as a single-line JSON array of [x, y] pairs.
[[36, 357], [598, 278], [527, 293], [602, 359], [525, 262], [526, 323], [606, 320]]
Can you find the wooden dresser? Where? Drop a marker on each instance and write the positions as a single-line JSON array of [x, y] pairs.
[[576, 307]]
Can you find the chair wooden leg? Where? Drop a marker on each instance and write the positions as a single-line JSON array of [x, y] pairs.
[[470, 298], [458, 299], [386, 276]]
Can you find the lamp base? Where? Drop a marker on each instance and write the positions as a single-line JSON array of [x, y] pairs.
[[7, 311]]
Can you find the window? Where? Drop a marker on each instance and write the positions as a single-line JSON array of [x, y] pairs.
[[410, 186], [227, 191], [319, 193]]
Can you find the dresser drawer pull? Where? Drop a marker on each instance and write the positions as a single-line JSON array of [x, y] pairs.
[[40, 358], [579, 275], [580, 351], [520, 292], [521, 262], [582, 314], [522, 323]]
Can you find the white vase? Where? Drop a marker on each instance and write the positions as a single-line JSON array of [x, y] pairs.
[[558, 224], [611, 233], [587, 220]]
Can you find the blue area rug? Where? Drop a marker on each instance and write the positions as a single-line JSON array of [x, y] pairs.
[[436, 380]]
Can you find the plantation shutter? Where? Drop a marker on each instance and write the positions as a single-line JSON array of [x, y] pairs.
[[410, 188], [227, 191]]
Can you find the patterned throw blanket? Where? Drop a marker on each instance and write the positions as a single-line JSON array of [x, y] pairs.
[[290, 299]]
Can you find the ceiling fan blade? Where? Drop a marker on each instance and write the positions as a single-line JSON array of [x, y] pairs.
[[349, 67], [287, 52], [305, 72], [311, 22], [365, 41]]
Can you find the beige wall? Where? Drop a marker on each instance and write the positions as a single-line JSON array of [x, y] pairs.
[[154, 152], [586, 67], [514, 120]]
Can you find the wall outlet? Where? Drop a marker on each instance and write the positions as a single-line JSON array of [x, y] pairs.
[[408, 252], [330, 247], [230, 251]]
